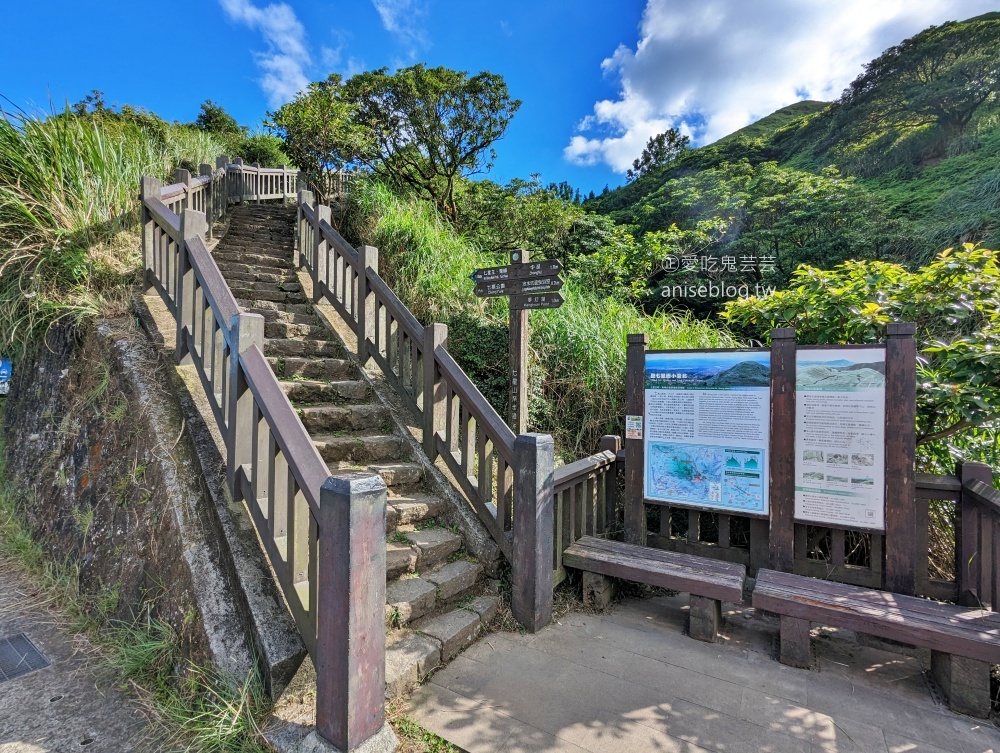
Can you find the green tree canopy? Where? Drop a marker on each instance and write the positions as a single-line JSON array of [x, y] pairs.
[[429, 126], [660, 151], [943, 75], [319, 129], [214, 119]]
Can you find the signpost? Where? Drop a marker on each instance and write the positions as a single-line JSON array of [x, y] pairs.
[[5, 371], [529, 286]]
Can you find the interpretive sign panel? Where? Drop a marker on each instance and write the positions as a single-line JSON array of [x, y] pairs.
[[840, 436], [5, 371], [707, 419]]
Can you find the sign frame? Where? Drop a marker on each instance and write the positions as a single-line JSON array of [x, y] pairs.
[[766, 451]]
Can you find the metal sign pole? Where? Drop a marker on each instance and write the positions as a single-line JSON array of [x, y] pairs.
[[518, 357]]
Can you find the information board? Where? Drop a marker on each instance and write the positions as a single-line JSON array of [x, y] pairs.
[[707, 424], [840, 436], [5, 373]]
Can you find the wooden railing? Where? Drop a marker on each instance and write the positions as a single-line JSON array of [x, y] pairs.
[[586, 495], [459, 425], [255, 183], [323, 535]]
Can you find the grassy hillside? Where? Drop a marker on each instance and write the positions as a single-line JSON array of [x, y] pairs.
[[918, 132]]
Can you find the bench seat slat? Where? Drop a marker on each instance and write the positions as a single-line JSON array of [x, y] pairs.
[[687, 573], [972, 633]]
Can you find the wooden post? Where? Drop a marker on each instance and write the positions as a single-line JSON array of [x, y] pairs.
[[305, 199], [285, 193], [518, 358], [222, 163], [206, 170], [781, 482], [367, 259], [350, 612], [610, 443], [900, 452], [256, 190], [192, 225], [149, 188], [320, 252], [184, 176], [247, 331], [240, 179], [970, 538], [533, 546], [635, 401], [435, 336]]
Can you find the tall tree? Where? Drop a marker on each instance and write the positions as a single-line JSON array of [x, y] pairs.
[[660, 151], [429, 126], [214, 119], [319, 129], [943, 75]]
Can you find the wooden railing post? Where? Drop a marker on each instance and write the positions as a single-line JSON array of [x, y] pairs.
[[247, 330], [240, 180], [970, 540], [900, 454], [149, 188], [304, 198], [222, 188], [635, 400], [435, 336], [206, 170], [285, 192], [192, 225], [368, 259], [184, 176], [781, 465], [610, 443], [350, 614], [256, 190], [534, 523]]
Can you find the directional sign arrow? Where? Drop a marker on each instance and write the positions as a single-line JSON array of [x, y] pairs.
[[518, 287], [536, 301], [546, 268]]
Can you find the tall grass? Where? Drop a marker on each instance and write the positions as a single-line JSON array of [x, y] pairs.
[[577, 351], [68, 193]]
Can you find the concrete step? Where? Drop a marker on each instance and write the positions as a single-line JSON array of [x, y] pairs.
[[411, 597], [330, 419], [281, 329], [409, 658], [453, 631], [416, 551], [277, 296], [255, 260], [315, 391], [312, 368], [399, 474], [280, 311], [288, 347], [360, 448], [416, 507], [281, 268], [279, 315], [285, 277], [273, 253]]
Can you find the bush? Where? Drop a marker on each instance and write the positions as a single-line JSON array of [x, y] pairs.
[[68, 209], [955, 304]]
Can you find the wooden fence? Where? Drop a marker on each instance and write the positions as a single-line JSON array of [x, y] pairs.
[[324, 535], [506, 479], [918, 506]]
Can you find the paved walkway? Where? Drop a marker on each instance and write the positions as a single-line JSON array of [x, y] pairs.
[[631, 681], [66, 707]]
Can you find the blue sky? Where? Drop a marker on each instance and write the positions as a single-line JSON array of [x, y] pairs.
[[597, 78]]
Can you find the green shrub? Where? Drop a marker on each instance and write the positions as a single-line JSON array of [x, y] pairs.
[[955, 303]]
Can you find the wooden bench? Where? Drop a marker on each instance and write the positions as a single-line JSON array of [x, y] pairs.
[[964, 642], [708, 581]]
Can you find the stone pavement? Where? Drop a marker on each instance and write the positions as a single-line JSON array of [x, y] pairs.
[[632, 681], [66, 707]]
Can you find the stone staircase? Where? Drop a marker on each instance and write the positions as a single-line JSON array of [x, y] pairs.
[[436, 600]]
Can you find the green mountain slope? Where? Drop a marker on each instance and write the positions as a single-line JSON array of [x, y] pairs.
[[915, 139]]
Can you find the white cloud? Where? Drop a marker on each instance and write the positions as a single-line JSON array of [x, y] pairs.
[[400, 17], [287, 58], [711, 67]]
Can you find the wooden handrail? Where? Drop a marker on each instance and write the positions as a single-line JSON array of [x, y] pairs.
[[484, 413], [397, 308], [219, 296], [344, 248], [982, 494], [567, 475], [290, 435]]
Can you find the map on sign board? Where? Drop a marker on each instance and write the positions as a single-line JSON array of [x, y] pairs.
[[707, 427]]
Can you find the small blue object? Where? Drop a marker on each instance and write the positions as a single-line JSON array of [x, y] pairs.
[[6, 368]]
